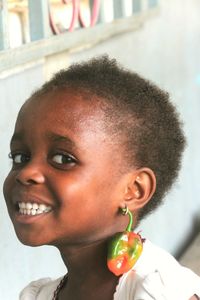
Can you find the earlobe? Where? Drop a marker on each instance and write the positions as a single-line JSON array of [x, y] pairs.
[[140, 188]]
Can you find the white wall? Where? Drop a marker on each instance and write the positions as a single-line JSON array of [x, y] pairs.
[[165, 50]]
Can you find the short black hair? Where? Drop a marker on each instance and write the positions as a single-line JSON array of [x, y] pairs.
[[142, 114]]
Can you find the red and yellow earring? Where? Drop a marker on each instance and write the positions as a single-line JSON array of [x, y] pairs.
[[124, 248]]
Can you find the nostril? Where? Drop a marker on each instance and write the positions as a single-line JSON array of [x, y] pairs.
[[22, 181], [27, 178]]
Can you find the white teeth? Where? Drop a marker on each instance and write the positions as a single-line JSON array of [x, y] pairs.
[[33, 208], [47, 209], [33, 212], [42, 206], [28, 206], [22, 205]]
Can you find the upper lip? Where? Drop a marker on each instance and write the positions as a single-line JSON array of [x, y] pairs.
[[30, 198]]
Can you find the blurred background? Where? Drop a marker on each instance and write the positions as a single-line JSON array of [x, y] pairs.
[[159, 39]]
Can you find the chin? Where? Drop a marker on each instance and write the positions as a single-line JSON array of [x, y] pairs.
[[29, 240]]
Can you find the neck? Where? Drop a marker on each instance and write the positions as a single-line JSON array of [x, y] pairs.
[[83, 259], [87, 270]]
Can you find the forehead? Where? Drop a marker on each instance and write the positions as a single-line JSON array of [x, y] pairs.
[[60, 109]]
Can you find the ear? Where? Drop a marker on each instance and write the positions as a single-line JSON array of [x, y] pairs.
[[139, 189]]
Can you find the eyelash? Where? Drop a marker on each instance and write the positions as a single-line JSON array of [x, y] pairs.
[[68, 159], [14, 155]]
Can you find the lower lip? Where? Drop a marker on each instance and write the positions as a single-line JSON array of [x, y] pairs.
[[28, 219]]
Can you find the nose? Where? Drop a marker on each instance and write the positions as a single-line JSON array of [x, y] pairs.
[[30, 174]]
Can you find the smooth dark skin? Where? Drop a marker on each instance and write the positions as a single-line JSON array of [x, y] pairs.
[[65, 158]]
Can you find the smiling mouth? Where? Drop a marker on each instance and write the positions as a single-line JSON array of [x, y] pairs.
[[33, 209]]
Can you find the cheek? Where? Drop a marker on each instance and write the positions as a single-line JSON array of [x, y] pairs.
[[87, 200], [7, 191], [7, 186], [73, 187]]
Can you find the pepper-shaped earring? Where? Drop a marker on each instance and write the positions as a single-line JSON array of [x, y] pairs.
[[124, 248]]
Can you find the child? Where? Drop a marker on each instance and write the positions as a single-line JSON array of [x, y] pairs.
[[95, 150]]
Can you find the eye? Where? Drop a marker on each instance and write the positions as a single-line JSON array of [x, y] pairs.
[[19, 158], [62, 159]]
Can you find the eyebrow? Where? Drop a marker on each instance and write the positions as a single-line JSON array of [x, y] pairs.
[[16, 137], [54, 137]]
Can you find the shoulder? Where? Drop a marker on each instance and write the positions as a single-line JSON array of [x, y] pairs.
[[157, 275], [40, 289]]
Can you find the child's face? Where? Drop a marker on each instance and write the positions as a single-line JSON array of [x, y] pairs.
[[64, 159]]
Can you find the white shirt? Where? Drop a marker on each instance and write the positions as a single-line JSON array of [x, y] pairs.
[[156, 276]]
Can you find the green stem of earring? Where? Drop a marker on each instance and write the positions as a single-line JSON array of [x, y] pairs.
[[126, 211]]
